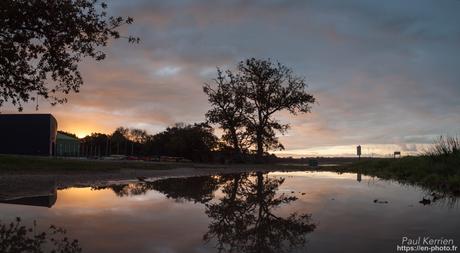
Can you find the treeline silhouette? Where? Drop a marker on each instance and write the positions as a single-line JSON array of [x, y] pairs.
[[194, 142], [180, 142], [184, 142]]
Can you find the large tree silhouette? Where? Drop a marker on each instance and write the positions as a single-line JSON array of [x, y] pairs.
[[250, 97], [229, 109], [42, 41]]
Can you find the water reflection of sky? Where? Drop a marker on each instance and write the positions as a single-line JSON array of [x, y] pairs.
[[343, 209]]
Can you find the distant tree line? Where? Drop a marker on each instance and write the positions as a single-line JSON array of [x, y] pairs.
[[195, 142]]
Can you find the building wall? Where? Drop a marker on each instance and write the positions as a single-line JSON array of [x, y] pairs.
[[27, 134], [67, 147], [53, 135]]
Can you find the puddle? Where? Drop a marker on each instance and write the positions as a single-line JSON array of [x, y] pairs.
[[259, 212]]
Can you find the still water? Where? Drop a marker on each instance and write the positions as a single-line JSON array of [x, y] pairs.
[[274, 212]]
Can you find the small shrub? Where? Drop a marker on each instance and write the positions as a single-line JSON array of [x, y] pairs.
[[444, 147], [15, 238]]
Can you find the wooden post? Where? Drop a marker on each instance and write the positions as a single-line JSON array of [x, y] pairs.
[[358, 151]]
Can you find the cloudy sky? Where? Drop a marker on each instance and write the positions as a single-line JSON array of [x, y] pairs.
[[385, 73]]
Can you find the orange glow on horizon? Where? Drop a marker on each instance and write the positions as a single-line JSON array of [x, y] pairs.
[[82, 129], [81, 134]]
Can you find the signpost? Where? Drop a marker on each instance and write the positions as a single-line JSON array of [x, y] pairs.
[[358, 151]]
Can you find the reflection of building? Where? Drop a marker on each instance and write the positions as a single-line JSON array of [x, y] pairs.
[[67, 145], [33, 191], [27, 134], [45, 200]]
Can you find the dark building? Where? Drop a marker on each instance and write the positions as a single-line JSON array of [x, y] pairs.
[[28, 134]]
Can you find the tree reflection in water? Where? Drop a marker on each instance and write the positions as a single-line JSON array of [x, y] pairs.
[[196, 189], [243, 220]]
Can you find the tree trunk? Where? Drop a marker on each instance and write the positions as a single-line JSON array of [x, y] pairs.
[[260, 146], [259, 137], [236, 146]]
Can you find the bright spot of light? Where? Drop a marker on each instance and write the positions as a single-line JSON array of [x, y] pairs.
[[167, 71]]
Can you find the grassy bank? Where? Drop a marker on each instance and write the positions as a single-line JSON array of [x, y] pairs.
[[438, 168], [10, 163], [26, 164], [440, 173]]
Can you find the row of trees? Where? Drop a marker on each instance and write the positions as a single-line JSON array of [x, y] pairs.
[[194, 142]]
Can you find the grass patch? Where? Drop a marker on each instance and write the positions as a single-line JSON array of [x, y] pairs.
[[36, 164], [440, 173], [17, 163], [437, 169]]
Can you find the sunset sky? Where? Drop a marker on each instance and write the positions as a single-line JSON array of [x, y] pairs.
[[385, 73]]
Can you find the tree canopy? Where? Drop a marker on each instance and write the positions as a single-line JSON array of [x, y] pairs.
[[245, 101], [194, 142], [42, 42], [229, 108]]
